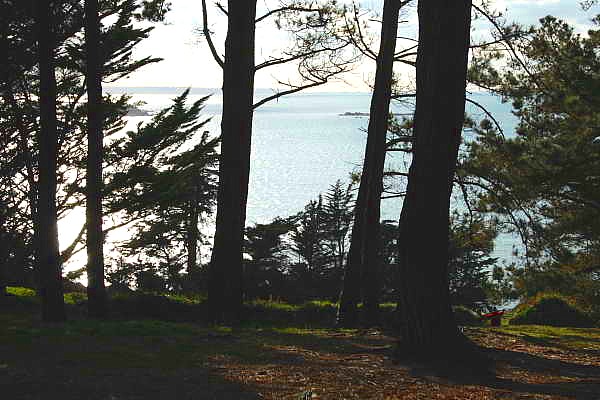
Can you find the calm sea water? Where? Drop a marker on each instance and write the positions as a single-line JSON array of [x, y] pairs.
[[301, 145]]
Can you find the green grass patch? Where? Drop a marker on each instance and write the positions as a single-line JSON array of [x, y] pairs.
[[570, 338], [20, 291], [551, 309]]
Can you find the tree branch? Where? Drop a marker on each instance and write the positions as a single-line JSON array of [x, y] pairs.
[[294, 89], [482, 108], [207, 34], [283, 9]]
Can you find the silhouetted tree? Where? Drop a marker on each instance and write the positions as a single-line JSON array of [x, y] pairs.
[[362, 265], [96, 290], [163, 190], [268, 259], [19, 103], [427, 326], [337, 220], [319, 42], [49, 265]]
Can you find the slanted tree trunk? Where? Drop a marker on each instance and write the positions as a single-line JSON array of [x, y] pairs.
[[225, 273], [427, 326], [49, 263], [97, 307], [362, 265]]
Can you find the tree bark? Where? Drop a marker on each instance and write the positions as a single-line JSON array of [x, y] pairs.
[[362, 265], [225, 273], [427, 326], [49, 265], [96, 290]]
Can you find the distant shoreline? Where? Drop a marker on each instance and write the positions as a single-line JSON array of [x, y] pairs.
[[176, 90]]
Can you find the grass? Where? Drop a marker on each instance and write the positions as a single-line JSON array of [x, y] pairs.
[[568, 338], [157, 359]]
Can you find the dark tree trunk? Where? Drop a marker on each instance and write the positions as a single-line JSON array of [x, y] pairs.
[[96, 290], [363, 261], [3, 263], [225, 274], [427, 326], [192, 233], [49, 264]]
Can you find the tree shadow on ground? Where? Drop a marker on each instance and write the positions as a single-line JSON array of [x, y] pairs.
[[520, 372], [59, 383], [512, 371]]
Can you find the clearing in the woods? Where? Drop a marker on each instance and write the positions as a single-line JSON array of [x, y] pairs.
[[150, 359]]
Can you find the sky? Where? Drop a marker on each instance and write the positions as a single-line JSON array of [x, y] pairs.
[[187, 60]]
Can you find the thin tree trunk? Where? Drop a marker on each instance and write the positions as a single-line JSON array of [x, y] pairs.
[[3, 263], [49, 265], [427, 326], [363, 258], [192, 233], [225, 273], [97, 307]]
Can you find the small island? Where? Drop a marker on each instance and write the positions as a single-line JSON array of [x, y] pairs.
[[133, 111], [354, 114]]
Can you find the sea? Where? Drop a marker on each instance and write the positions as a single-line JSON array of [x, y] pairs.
[[303, 143]]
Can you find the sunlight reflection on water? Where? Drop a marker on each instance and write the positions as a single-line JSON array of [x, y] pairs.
[[301, 145]]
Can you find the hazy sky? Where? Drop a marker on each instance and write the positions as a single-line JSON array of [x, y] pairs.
[[187, 61]]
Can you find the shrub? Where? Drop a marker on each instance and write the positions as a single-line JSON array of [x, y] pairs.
[[20, 291], [154, 306], [552, 310], [466, 317], [76, 298]]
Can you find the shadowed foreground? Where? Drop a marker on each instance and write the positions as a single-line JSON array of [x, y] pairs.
[[164, 360]]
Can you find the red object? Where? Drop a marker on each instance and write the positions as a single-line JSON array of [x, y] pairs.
[[495, 317], [492, 314]]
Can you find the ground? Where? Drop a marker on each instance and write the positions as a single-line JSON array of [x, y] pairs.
[[149, 359]]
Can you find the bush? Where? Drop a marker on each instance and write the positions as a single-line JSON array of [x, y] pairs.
[[20, 291], [552, 310], [466, 317], [76, 298], [154, 306]]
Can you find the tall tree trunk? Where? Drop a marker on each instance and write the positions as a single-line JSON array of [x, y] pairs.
[[363, 258], [192, 232], [427, 326], [97, 307], [3, 263], [225, 274], [49, 264]]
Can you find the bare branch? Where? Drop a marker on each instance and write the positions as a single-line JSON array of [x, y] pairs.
[[277, 61], [220, 7], [208, 37], [482, 108], [284, 9], [69, 251], [503, 37], [294, 89], [366, 50]]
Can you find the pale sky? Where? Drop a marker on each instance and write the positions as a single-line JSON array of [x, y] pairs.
[[187, 61]]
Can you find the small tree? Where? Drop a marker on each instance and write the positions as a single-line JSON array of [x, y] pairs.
[[470, 262], [267, 259], [165, 184]]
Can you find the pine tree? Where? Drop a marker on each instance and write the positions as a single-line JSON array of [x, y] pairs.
[[427, 328]]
